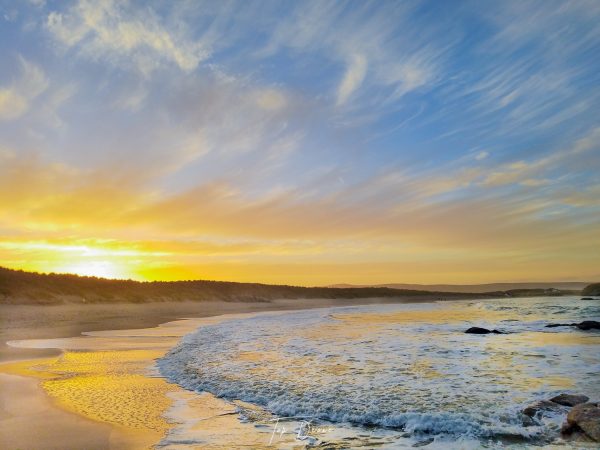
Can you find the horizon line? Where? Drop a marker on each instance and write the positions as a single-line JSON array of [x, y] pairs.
[[331, 285]]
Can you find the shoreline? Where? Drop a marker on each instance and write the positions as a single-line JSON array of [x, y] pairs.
[[48, 334], [77, 365], [26, 321]]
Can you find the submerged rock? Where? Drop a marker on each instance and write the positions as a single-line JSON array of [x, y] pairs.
[[587, 298], [586, 418], [479, 330], [570, 399]]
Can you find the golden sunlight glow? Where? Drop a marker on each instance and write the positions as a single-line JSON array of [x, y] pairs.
[[105, 261], [102, 269], [258, 261]]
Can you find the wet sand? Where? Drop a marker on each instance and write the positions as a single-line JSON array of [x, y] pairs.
[[66, 391], [29, 420], [102, 393]]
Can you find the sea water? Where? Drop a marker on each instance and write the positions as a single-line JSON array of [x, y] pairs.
[[399, 375]]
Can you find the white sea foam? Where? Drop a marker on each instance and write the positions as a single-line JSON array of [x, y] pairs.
[[393, 367]]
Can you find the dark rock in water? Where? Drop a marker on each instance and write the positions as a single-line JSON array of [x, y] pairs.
[[479, 330], [539, 408], [589, 325], [585, 325], [423, 443], [570, 399], [586, 418], [587, 298], [592, 289]]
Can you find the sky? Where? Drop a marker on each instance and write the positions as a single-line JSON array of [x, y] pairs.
[[305, 142]]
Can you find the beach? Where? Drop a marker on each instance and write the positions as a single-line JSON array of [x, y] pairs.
[[354, 375], [33, 416], [68, 391]]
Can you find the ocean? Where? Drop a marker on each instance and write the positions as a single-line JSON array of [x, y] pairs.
[[397, 376]]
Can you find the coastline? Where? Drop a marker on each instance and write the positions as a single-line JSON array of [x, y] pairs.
[[84, 376], [69, 365]]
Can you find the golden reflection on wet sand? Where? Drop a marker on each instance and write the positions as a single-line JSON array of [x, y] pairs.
[[105, 376], [98, 386], [110, 386]]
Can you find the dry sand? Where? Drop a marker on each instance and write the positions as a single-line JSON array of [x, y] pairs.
[[95, 392]]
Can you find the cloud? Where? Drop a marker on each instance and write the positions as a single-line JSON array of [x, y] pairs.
[[271, 99], [576, 155], [587, 197], [131, 100], [12, 105], [533, 182], [398, 217], [16, 99], [111, 31], [415, 71], [381, 63], [354, 76]]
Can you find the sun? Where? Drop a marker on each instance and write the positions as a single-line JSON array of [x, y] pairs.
[[100, 269], [86, 258]]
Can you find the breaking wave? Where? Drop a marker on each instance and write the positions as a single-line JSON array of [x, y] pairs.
[[407, 367]]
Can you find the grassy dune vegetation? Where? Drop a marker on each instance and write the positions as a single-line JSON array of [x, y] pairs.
[[19, 287]]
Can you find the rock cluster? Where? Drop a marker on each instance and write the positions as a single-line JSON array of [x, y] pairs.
[[583, 420]]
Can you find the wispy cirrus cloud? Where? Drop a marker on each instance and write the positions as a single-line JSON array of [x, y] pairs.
[[15, 99], [353, 78], [378, 63], [120, 33]]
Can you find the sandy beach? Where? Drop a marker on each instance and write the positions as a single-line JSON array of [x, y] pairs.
[[65, 390], [85, 376]]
